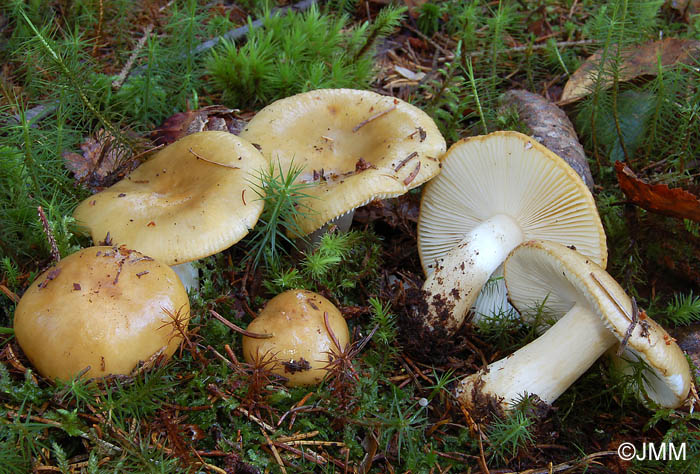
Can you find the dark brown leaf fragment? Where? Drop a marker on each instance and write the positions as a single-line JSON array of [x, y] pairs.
[[213, 117], [294, 366], [49, 276], [412, 176]]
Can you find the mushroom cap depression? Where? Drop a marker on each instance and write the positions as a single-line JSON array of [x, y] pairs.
[[103, 307], [355, 145], [507, 173], [192, 199], [300, 342], [539, 271]]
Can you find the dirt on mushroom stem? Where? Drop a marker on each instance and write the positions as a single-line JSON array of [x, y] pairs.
[[418, 340]]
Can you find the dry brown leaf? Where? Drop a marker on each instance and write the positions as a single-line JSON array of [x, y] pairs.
[[102, 163], [213, 117], [659, 198], [639, 61], [687, 8], [551, 127]]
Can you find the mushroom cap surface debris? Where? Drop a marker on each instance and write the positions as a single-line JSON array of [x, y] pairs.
[[300, 344], [103, 307], [355, 145], [192, 199]]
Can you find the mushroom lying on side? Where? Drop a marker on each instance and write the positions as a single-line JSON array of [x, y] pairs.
[[593, 313], [105, 308], [494, 192], [355, 145], [300, 344], [192, 199]]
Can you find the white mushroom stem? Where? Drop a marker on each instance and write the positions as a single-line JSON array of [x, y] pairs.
[[547, 366], [458, 278], [189, 275], [342, 223]]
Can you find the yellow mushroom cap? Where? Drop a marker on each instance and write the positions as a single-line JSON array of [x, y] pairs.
[[355, 145], [103, 307], [300, 342], [192, 199]]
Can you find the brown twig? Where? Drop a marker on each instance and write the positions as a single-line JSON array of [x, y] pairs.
[[231, 354], [254, 419], [630, 328], [311, 442], [317, 459], [295, 410], [416, 369], [221, 356], [145, 152], [406, 160], [611, 296], [412, 176], [9, 293], [373, 117], [292, 411], [274, 451], [230, 325], [200, 157], [287, 439], [212, 467], [482, 458]]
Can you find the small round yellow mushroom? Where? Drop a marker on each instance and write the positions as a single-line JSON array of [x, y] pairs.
[[300, 343], [102, 308]]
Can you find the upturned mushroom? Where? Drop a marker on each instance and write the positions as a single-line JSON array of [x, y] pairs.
[[192, 199], [103, 309], [494, 192], [300, 343], [593, 314], [354, 145]]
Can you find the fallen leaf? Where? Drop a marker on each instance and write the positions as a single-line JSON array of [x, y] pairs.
[[659, 198], [102, 163], [687, 8], [638, 61], [408, 74], [551, 127], [213, 117]]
